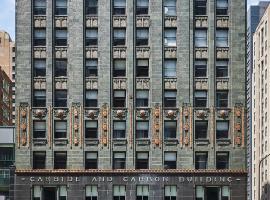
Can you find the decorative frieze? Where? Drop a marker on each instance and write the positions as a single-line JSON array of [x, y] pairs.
[[143, 83], [142, 52], [60, 21], [105, 125], [222, 21], [142, 21], [61, 52], [91, 21], [60, 83], [202, 114], [23, 125], [170, 21], [201, 53], [40, 83], [119, 114], [157, 125], [170, 83], [201, 22], [222, 53], [142, 114], [119, 53], [170, 114], [186, 126], [39, 113], [92, 114], [119, 83], [91, 83], [39, 21], [91, 52], [222, 83], [40, 52], [119, 21], [201, 84], [170, 52], [223, 114], [60, 113], [76, 124], [239, 125]]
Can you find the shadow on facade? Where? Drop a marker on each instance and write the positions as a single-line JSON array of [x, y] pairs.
[[265, 191]]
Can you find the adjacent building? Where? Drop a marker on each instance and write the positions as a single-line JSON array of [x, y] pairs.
[[130, 100]]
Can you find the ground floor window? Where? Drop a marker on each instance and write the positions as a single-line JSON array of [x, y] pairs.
[[212, 193], [91, 192], [50, 193]]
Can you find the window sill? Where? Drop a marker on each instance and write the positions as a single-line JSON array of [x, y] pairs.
[[120, 141], [143, 141], [39, 141], [91, 141], [202, 142], [224, 141], [60, 141], [171, 141]]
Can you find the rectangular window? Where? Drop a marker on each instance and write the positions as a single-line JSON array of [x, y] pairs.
[[142, 129], [170, 37], [222, 68], [222, 99], [39, 98], [170, 7], [91, 67], [6, 157], [200, 37], [225, 190], [142, 7], [222, 131], [91, 98], [60, 68], [91, 129], [142, 159], [201, 159], [40, 37], [91, 192], [119, 98], [119, 7], [142, 35], [222, 7], [200, 68], [91, 160], [63, 193], [60, 160], [91, 7], [212, 192], [170, 129], [37, 191], [200, 98], [170, 160], [142, 97], [170, 68], [39, 7], [170, 192], [200, 7], [39, 67], [201, 128], [60, 7], [222, 38], [142, 68], [39, 160], [170, 98], [142, 192], [39, 129], [119, 129], [119, 192], [222, 160], [119, 160], [61, 37], [91, 37], [60, 129], [119, 68], [60, 98]]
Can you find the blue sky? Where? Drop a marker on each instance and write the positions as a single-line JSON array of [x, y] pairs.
[[7, 15]]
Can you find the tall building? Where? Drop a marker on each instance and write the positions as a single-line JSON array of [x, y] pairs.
[[7, 62], [130, 100], [260, 108], [254, 15]]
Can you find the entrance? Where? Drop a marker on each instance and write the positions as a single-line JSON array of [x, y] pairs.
[[49, 193], [212, 193]]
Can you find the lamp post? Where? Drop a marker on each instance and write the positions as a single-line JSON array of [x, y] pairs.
[[259, 191]]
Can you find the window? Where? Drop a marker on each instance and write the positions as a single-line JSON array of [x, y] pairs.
[[39, 129], [91, 97], [170, 38], [142, 160], [91, 37], [39, 160], [201, 159], [119, 68], [119, 7], [170, 68], [39, 7], [40, 37], [61, 37], [142, 97], [201, 129], [170, 7], [60, 99], [60, 129], [119, 98], [142, 68], [91, 7], [222, 7], [170, 129], [91, 192], [119, 192], [63, 193], [40, 67], [37, 191], [39, 98], [60, 7], [222, 68], [142, 36], [200, 68], [6, 157], [170, 98], [91, 160], [119, 160], [212, 193], [222, 131], [142, 7], [170, 160], [142, 128], [91, 67], [222, 99], [222, 160], [200, 7], [222, 39], [91, 129], [60, 160], [119, 129], [200, 98], [142, 192], [60, 68], [170, 192], [200, 37]]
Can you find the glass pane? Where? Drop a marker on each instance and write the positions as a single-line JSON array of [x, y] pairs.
[[170, 156]]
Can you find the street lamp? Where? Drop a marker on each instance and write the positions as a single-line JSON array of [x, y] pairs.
[[260, 173]]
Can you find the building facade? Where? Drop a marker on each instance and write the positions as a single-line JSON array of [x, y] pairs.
[[254, 15], [130, 100]]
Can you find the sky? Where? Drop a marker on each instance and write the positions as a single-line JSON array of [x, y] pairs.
[[7, 15]]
